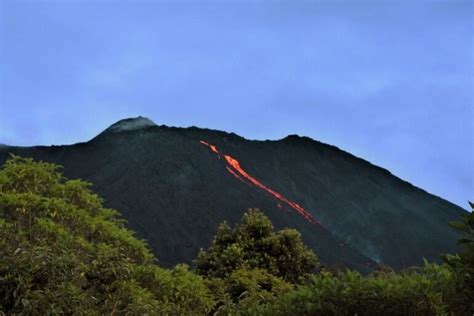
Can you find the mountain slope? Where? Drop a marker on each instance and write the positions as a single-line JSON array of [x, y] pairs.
[[174, 190]]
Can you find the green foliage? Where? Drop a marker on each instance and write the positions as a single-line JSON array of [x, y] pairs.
[[428, 293], [246, 292], [179, 291], [61, 251], [463, 263], [253, 244]]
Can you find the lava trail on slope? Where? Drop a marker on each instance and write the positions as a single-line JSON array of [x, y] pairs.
[[234, 168]]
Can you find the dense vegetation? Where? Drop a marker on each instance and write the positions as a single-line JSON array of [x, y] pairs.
[[62, 252]]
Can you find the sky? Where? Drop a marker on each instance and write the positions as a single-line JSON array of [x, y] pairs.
[[389, 81]]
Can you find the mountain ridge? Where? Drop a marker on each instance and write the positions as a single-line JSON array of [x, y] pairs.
[[158, 176], [289, 137]]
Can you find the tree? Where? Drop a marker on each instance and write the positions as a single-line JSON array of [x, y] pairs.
[[427, 293], [463, 263], [253, 244], [62, 252], [466, 227], [247, 292]]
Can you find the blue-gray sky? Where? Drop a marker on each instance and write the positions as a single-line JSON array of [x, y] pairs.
[[389, 81]]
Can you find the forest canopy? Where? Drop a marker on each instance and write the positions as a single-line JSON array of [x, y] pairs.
[[63, 252]]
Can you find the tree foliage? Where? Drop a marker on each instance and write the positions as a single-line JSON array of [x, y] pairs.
[[246, 292], [61, 251], [463, 263], [253, 244], [428, 293]]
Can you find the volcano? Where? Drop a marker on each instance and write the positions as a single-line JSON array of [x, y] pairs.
[[174, 186]]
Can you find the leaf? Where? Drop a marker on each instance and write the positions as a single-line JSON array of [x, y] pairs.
[[460, 226], [25, 302], [465, 241]]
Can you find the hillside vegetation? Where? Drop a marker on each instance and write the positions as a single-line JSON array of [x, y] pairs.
[[63, 252]]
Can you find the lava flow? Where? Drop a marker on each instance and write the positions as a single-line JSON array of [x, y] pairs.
[[234, 168]]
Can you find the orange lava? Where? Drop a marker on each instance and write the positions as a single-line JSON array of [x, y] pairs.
[[232, 172], [236, 170], [213, 148]]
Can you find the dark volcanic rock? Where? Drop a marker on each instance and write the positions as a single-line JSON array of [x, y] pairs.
[[174, 192]]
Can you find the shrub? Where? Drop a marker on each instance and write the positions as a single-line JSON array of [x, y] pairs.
[[253, 244], [246, 292], [353, 294]]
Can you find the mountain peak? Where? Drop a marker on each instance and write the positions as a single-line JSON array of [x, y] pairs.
[[130, 124]]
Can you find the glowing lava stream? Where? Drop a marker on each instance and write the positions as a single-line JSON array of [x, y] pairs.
[[233, 167]]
